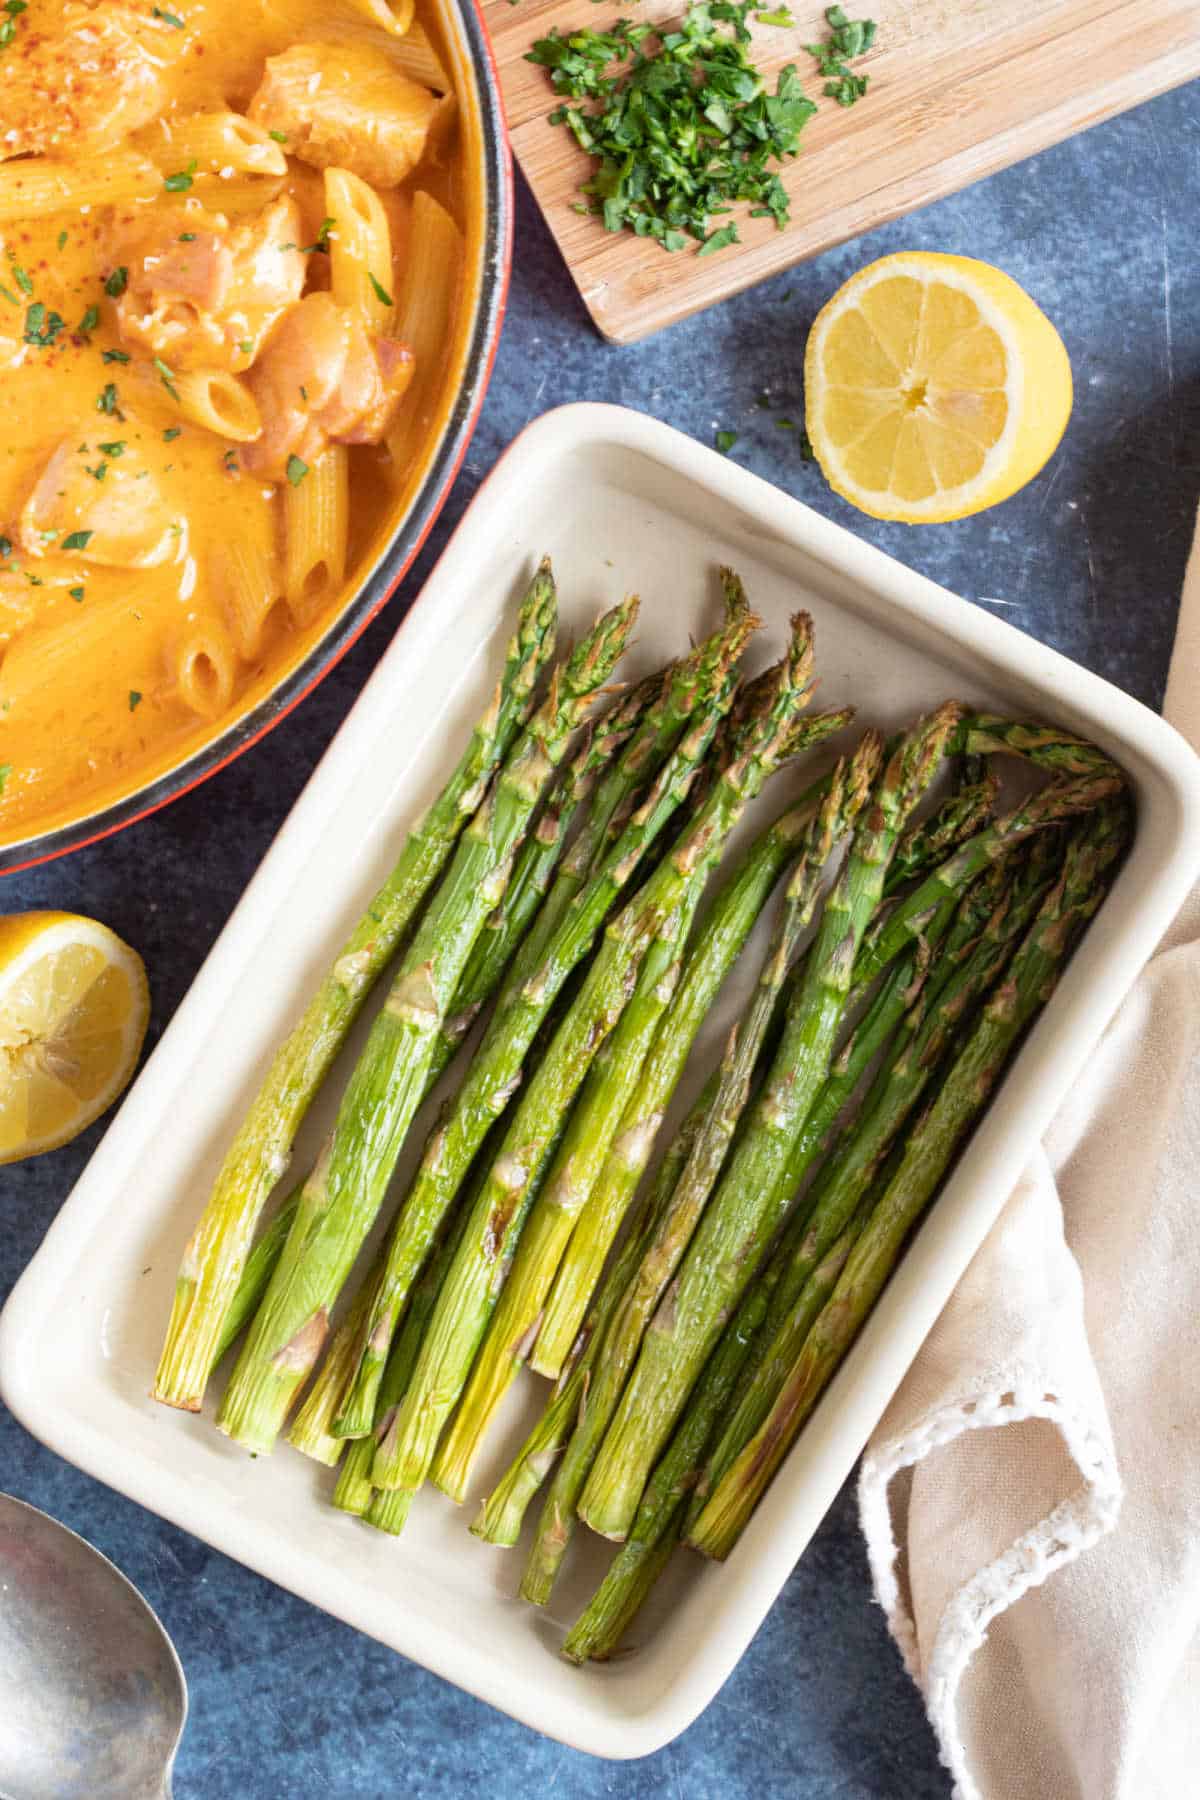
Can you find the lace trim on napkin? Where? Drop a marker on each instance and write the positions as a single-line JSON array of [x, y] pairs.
[[1079, 1520]]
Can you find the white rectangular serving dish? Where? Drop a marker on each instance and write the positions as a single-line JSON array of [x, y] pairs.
[[620, 502]]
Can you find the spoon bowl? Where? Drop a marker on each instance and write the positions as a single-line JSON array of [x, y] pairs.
[[93, 1699]]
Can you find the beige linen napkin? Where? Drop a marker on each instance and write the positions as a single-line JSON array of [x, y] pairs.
[[1031, 1498]]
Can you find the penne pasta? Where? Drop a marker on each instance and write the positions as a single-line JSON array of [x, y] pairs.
[[46, 660], [35, 186], [205, 668], [316, 522], [360, 249], [247, 577], [381, 20], [427, 301], [415, 56], [217, 143], [236, 194], [219, 402]]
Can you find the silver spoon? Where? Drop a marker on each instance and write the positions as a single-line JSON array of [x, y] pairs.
[[92, 1696]]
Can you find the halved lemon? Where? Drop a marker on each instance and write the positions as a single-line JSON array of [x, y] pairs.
[[934, 386], [74, 1005]]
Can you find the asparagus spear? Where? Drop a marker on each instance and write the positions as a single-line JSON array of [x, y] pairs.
[[256, 1274], [848, 793], [930, 1146], [1049, 806], [928, 843], [988, 734], [216, 1251], [960, 982], [310, 1431], [342, 1195], [525, 1000], [730, 1238], [768, 739], [502, 1513]]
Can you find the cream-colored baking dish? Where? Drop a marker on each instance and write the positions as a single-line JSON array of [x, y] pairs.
[[620, 502]]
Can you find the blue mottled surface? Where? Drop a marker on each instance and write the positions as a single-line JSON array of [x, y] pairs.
[[287, 1704]]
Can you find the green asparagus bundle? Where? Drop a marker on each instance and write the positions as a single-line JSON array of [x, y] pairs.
[[847, 795], [1049, 806], [342, 1195], [748, 1203], [931, 1144], [705, 683], [767, 739], [965, 973], [717, 948], [538, 862], [514, 1326], [502, 1514], [217, 1249]]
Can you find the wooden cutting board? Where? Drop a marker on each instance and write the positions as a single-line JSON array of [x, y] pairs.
[[959, 88]]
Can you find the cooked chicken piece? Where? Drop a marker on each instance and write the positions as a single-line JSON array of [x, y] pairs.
[[346, 106], [202, 293], [83, 77], [323, 379], [123, 518]]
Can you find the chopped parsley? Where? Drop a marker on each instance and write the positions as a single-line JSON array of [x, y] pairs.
[[117, 282], [135, 699], [246, 346], [42, 327], [109, 402], [22, 280], [62, 239], [99, 472], [77, 540], [381, 293], [279, 136], [170, 435], [115, 449], [725, 440], [781, 16], [167, 377], [9, 295], [680, 125], [187, 237], [321, 241], [169, 18], [76, 594], [296, 470], [5, 772], [111, 356], [230, 461], [90, 320], [181, 181], [848, 38], [719, 240], [5, 546], [12, 10]]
